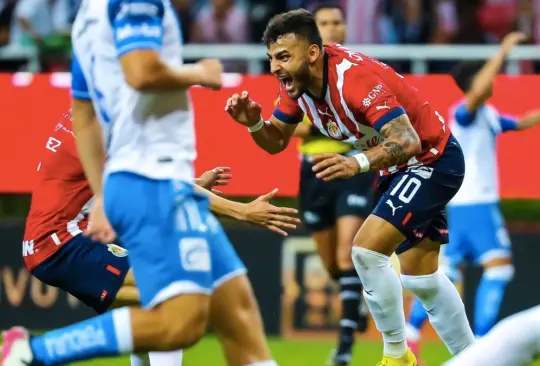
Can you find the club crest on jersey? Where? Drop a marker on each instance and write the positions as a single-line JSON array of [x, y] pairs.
[[334, 130], [117, 250]]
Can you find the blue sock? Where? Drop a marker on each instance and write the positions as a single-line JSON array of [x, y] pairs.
[[104, 335], [417, 315], [489, 297]]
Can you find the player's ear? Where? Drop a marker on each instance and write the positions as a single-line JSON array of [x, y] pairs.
[[314, 52]]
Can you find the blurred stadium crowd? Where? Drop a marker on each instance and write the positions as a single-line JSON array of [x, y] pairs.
[[45, 24]]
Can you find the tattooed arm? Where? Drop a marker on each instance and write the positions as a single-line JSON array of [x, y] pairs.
[[401, 144]]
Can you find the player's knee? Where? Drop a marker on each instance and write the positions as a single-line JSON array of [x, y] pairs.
[[365, 258], [423, 287], [231, 325], [183, 326]]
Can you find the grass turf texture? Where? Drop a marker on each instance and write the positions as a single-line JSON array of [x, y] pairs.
[[291, 353]]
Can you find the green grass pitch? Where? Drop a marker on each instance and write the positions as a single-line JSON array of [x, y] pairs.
[[291, 353]]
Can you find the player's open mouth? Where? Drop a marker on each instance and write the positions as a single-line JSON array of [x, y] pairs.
[[288, 82]]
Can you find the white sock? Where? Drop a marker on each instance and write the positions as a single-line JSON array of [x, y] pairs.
[[514, 341], [412, 334], [264, 363], [173, 358], [384, 297], [444, 307]]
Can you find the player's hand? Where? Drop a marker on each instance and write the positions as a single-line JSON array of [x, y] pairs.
[[333, 166], [243, 110], [211, 75], [277, 219], [99, 227], [216, 177], [513, 39]]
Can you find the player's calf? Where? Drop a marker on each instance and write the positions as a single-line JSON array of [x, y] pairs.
[[234, 316], [373, 245], [420, 275], [498, 273]]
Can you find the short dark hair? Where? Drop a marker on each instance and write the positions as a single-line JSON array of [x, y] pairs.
[[464, 72], [325, 6], [300, 22]]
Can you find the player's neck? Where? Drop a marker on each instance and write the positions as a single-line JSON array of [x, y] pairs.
[[319, 77]]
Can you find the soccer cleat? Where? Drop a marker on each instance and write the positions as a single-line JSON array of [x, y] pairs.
[[16, 349], [407, 360], [415, 348]]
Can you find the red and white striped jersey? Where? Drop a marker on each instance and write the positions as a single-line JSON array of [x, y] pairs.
[[60, 199], [360, 95]]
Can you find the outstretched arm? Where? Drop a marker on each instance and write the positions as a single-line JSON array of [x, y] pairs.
[[258, 212], [482, 83]]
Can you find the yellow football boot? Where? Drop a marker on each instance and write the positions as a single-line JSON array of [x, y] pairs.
[[407, 360]]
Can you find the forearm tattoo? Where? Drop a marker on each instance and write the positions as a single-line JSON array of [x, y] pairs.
[[401, 144]]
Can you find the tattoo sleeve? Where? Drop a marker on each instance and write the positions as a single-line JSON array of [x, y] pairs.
[[401, 144]]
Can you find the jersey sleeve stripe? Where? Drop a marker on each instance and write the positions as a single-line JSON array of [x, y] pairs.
[[138, 46], [508, 123], [389, 116], [79, 94], [284, 117]]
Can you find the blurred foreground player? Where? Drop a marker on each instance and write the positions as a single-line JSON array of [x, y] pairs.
[[515, 341], [57, 252], [334, 211], [476, 126], [128, 73], [356, 99]]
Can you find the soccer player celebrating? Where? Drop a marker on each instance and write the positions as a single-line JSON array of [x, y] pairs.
[[128, 73], [367, 104], [334, 211], [476, 127]]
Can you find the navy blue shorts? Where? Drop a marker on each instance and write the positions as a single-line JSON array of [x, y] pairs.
[[91, 271], [414, 199]]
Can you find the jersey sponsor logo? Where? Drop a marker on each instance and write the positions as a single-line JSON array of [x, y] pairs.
[[137, 9], [394, 208], [144, 30], [372, 95], [333, 130], [195, 254], [77, 340], [117, 251], [28, 248]]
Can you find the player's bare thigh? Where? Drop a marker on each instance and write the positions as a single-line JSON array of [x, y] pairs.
[[326, 246], [128, 295], [378, 235], [235, 318], [346, 227], [422, 259]]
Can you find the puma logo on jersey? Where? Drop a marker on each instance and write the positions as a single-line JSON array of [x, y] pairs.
[[379, 107], [325, 113], [389, 203]]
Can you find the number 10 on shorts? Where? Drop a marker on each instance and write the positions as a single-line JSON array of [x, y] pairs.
[[407, 188]]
